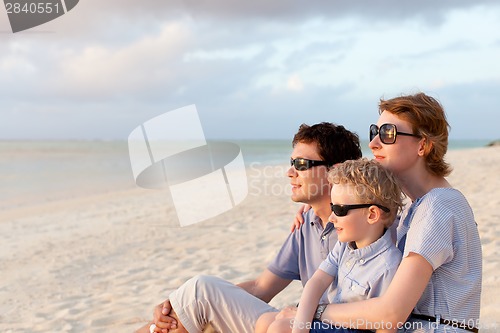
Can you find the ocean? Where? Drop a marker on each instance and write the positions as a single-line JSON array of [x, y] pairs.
[[44, 171], [278, 151]]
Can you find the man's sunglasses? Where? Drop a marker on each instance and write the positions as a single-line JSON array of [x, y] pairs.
[[387, 133], [342, 210], [302, 164]]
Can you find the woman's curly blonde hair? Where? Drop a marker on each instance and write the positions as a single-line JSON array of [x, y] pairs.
[[372, 184]]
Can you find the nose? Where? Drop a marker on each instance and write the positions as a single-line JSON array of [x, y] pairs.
[[291, 172], [375, 143], [332, 218]]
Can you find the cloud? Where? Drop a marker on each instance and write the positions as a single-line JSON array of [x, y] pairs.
[[294, 83], [117, 63], [137, 67], [472, 108], [109, 17], [283, 9]]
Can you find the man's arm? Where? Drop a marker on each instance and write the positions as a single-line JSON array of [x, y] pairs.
[[266, 286]]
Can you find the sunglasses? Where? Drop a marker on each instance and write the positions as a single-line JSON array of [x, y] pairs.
[[387, 133], [302, 164], [342, 210]]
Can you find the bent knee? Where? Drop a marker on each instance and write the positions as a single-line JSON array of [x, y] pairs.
[[264, 321], [203, 281], [281, 326], [207, 282]]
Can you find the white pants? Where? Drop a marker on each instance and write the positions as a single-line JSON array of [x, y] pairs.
[[208, 299]]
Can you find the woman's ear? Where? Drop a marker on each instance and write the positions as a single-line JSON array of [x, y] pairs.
[[425, 147]]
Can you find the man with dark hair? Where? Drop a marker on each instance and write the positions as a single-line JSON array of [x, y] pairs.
[[230, 308], [335, 143]]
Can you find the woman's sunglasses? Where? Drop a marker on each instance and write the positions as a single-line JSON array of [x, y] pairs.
[[342, 210], [387, 133], [302, 164]]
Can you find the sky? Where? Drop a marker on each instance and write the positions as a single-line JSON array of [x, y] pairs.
[[254, 70]]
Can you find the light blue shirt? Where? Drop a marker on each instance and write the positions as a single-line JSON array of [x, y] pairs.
[[304, 250], [362, 273], [440, 227]]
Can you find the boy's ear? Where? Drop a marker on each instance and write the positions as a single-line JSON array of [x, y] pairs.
[[373, 214]]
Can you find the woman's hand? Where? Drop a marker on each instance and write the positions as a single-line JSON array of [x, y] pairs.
[[299, 219]]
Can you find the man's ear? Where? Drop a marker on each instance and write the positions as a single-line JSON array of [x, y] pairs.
[[373, 214]]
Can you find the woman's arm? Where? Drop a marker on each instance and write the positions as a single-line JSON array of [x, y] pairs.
[[309, 300], [394, 306]]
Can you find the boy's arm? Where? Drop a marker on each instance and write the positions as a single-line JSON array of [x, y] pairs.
[[309, 300], [391, 308]]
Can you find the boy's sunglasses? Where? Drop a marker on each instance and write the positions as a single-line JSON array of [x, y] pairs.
[[342, 210], [302, 164], [387, 133]]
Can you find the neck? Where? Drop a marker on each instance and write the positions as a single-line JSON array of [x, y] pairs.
[[417, 185], [376, 233], [323, 211]]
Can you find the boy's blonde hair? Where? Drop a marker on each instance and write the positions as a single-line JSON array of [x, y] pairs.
[[372, 184]]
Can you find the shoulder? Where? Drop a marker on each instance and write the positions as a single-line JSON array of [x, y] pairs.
[[310, 219], [388, 258], [444, 197], [393, 257], [443, 204], [309, 216]]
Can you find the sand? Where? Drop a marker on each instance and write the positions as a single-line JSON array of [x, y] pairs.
[[99, 262]]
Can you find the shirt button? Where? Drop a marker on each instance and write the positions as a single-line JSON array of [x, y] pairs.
[[361, 261], [348, 264], [323, 237], [352, 288]]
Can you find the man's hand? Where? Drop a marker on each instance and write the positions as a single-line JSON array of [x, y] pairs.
[[288, 312], [164, 318]]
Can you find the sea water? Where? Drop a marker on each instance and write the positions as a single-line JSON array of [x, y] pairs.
[[278, 151], [44, 171]]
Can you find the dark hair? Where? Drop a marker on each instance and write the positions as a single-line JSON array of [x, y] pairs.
[[336, 144], [428, 119]]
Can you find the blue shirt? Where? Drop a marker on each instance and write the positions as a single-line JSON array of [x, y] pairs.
[[362, 273], [304, 250], [440, 227]]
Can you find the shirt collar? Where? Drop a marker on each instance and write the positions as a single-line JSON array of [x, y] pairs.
[[374, 249], [316, 221]]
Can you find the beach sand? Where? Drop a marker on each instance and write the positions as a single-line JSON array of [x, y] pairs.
[[99, 262]]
